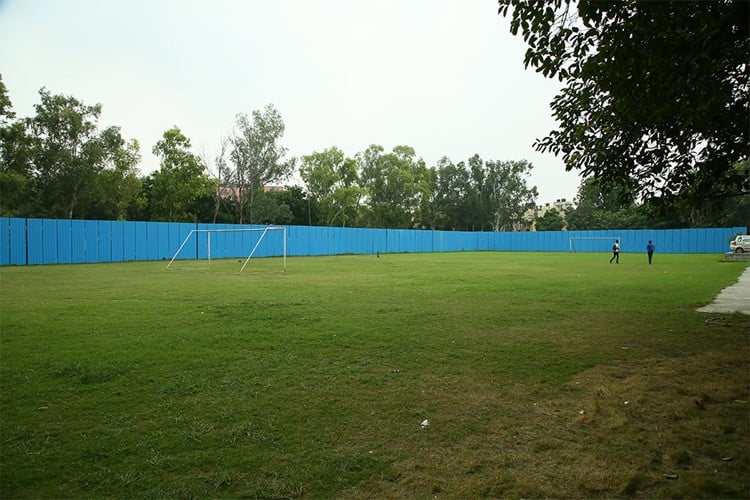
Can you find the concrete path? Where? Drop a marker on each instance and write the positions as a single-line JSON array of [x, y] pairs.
[[734, 298]]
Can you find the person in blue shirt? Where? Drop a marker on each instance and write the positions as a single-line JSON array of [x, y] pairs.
[[650, 250]]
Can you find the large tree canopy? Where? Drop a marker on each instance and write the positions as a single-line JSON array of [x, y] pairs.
[[180, 182], [656, 93], [257, 158]]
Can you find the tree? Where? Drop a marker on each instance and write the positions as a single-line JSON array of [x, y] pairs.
[[271, 209], [552, 220], [117, 187], [397, 186], [302, 209], [452, 196], [6, 106], [219, 174], [67, 152], [15, 161], [507, 194], [69, 167], [332, 181], [257, 158], [480, 195], [598, 208], [656, 96], [180, 181]]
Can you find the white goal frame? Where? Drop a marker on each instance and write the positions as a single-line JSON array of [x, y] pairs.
[[244, 230], [572, 246]]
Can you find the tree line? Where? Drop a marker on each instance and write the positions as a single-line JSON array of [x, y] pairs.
[[60, 163]]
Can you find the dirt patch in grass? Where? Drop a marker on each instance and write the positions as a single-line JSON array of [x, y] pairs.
[[658, 427]]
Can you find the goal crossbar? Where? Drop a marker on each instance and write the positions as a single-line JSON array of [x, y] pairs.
[[263, 230]]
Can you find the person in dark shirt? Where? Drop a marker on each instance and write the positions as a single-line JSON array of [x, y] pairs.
[[650, 250]]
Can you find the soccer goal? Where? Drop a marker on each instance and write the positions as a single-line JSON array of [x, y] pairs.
[[592, 243], [239, 248]]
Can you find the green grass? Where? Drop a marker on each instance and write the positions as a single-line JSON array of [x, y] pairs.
[[126, 380]]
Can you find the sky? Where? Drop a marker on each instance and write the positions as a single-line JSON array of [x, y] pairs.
[[445, 77]]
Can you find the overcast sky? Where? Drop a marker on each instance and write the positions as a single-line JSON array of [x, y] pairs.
[[442, 76]]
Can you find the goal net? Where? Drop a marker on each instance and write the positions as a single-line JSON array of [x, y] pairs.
[[592, 243], [233, 243]]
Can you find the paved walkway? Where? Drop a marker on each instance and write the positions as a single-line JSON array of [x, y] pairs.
[[734, 298]]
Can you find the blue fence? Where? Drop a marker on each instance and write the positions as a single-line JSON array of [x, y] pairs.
[[53, 241]]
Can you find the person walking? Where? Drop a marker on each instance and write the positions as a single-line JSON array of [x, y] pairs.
[[650, 250], [615, 252]]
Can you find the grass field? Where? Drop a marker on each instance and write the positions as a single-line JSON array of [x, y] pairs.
[[541, 375]]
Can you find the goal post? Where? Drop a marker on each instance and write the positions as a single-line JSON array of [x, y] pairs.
[[592, 243], [236, 253]]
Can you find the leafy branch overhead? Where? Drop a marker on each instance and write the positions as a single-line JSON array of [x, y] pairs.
[[656, 96]]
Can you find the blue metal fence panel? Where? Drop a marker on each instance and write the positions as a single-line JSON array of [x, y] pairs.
[[105, 235], [425, 241], [378, 238], [503, 242], [46, 241], [701, 241], [247, 242], [338, 241], [720, 238], [233, 244], [276, 248], [129, 241], [201, 242], [50, 242], [521, 243], [4, 241], [346, 242], [161, 230], [230, 243], [298, 241], [50, 246], [190, 248], [627, 240], [546, 241], [63, 234], [35, 241], [153, 230], [660, 239], [455, 241], [563, 241], [18, 242], [681, 240], [324, 244], [437, 241], [688, 236], [91, 234], [349, 239], [666, 237], [269, 243], [216, 242], [676, 240], [77, 241], [257, 241], [118, 242], [393, 241], [174, 240], [525, 243], [141, 241]]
